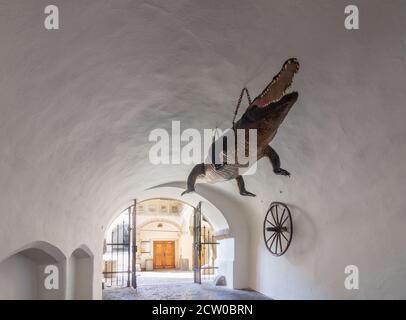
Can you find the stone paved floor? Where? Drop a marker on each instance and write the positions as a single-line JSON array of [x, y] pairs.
[[164, 277], [181, 291]]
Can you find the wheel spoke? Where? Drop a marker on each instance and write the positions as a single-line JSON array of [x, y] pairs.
[[270, 247], [270, 237], [283, 213], [285, 220], [276, 245], [280, 241], [285, 237], [277, 219], [270, 223], [273, 215]]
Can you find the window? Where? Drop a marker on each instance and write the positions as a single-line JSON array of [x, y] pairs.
[[145, 247]]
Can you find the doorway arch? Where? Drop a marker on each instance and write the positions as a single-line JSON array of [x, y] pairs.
[[213, 214], [220, 225]]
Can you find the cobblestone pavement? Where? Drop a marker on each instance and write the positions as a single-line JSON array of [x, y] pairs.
[[164, 277], [181, 291]]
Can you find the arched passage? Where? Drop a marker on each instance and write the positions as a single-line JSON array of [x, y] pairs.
[[224, 257], [24, 273], [80, 275], [228, 226]]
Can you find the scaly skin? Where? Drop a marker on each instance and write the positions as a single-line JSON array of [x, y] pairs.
[[265, 114]]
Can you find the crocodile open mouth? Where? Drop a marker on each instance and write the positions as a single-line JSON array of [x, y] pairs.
[[279, 85]]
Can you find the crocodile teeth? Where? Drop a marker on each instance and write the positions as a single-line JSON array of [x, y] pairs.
[[282, 82]]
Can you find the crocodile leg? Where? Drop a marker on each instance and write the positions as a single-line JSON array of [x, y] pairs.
[[198, 170], [275, 161], [241, 187]]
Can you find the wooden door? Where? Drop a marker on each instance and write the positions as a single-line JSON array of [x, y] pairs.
[[159, 255], [169, 254], [164, 254]]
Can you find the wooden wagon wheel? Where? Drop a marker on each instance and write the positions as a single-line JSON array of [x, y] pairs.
[[278, 228]]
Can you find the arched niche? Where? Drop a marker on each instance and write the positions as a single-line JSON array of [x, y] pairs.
[[80, 274], [27, 272]]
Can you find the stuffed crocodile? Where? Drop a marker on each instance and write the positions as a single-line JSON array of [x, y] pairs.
[[265, 114]]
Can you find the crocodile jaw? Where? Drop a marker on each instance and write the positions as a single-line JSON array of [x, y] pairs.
[[279, 85]]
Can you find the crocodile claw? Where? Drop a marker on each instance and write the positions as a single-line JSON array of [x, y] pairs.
[[282, 172], [187, 191], [247, 193]]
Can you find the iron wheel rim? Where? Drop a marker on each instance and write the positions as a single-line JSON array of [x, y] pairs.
[[278, 228]]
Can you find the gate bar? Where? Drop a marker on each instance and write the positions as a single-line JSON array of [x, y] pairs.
[[134, 245], [129, 249]]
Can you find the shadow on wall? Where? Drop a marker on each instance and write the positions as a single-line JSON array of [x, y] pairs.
[[304, 236], [80, 271], [26, 274]]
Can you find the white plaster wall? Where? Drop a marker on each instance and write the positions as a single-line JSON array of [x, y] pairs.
[[23, 276], [77, 105], [84, 274], [80, 276], [225, 260], [186, 244], [51, 294], [72, 276], [18, 278]]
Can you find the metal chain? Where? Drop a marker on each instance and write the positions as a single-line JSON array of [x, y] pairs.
[[244, 90]]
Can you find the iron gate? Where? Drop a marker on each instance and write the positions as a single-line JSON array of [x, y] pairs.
[[204, 247], [119, 253], [119, 268]]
